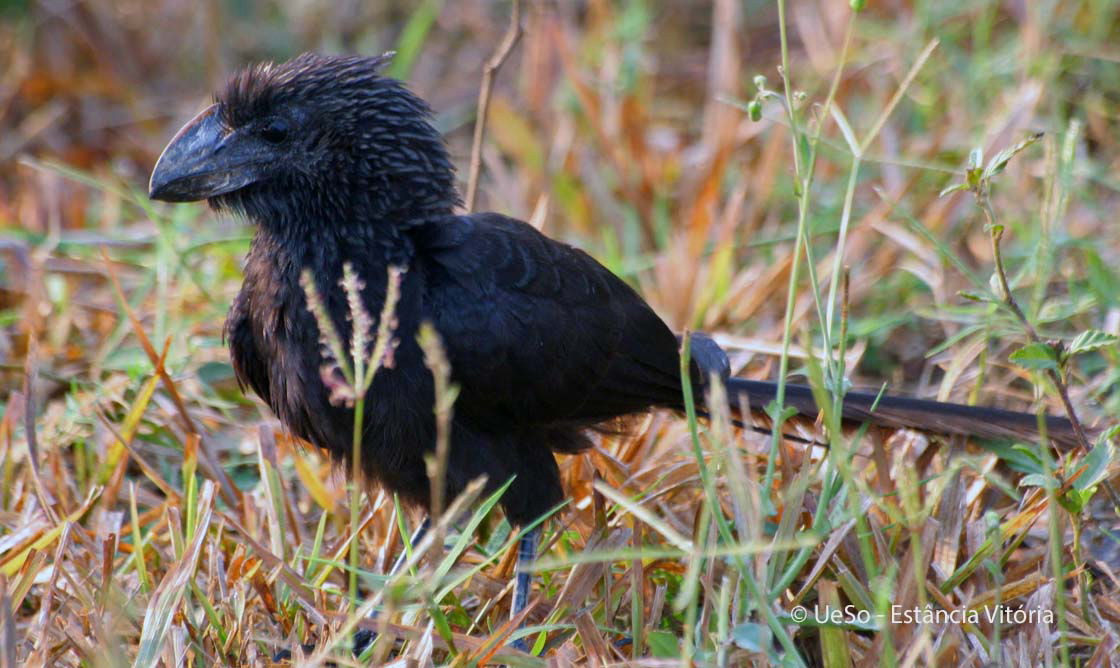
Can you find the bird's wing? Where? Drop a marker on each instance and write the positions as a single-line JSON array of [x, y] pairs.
[[537, 331]]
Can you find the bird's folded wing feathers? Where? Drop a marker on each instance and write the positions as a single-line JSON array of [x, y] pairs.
[[546, 332]]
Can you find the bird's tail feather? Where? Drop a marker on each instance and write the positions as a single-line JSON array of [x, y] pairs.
[[903, 412]]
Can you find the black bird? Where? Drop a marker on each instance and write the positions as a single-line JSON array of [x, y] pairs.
[[335, 163]]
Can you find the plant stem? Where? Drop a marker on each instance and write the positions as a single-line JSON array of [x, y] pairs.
[[355, 498], [513, 34], [996, 234]]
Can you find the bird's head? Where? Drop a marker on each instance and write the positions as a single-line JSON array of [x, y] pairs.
[[318, 137]]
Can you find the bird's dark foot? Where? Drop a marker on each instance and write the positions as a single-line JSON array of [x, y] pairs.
[[363, 638], [286, 654], [523, 580]]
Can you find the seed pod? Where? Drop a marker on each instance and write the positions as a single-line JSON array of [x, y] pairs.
[[754, 110]]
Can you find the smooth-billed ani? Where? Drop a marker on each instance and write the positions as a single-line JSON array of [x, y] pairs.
[[335, 163]]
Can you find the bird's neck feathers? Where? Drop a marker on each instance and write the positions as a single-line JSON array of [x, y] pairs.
[[373, 194], [321, 238]]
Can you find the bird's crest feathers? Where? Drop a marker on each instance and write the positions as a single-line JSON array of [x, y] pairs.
[[253, 91]]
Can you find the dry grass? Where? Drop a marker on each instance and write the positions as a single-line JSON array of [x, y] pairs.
[[149, 512]]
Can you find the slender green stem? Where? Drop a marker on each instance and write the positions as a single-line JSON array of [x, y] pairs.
[[355, 499], [1057, 544], [841, 243], [692, 586], [804, 181], [997, 577], [712, 502], [786, 85], [795, 264], [637, 603]]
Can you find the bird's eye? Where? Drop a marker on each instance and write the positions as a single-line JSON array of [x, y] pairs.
[[275, 131]]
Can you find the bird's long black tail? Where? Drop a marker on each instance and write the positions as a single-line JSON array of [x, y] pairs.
[[903, 412]]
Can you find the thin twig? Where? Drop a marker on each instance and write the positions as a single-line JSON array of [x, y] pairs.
[[30, 375], [898, 95], [513, 34], [996, 232], [29, 411], [435, 357]]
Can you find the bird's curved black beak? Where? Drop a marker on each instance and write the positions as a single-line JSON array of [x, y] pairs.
[[204, 159]]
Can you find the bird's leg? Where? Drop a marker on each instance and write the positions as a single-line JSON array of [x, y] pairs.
[[363, 638], [523, 579], [418, 534]]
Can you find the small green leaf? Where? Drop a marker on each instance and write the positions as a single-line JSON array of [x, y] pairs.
[[1024, 458], [948, 190], [1018, 456], [663, 645], [975, 296], [1000, 160], [772, 411], [1075, 500], [1036, 356], [1090, 340], [1038, 480], [1096, 466], [749, 636]]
